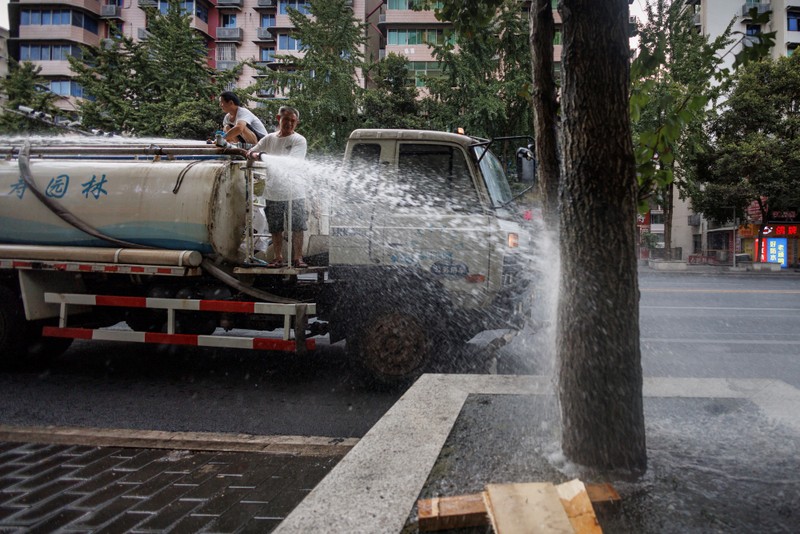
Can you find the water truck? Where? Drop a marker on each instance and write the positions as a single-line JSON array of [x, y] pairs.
[[413, 244]]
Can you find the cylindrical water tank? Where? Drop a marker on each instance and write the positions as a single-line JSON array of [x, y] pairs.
[[128, 200]]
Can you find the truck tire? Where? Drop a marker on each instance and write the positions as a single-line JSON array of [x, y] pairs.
[[12, 327], [393, 346], [21, 342]]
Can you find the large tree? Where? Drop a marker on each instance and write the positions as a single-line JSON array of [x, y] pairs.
[[323, 83], [753, 149], [600, 373], [392, 101], [485, 85], [599, 359]]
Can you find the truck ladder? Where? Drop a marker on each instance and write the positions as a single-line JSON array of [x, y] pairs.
[[298, 311]]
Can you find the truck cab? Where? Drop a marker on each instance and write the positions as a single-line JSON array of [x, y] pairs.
[[424, 241]]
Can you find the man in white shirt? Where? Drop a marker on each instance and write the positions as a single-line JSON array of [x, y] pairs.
[[284, 183], [240, 124]]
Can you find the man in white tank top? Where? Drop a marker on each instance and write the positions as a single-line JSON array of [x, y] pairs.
[[284, 182]]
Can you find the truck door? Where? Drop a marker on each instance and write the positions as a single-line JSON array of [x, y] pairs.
[[357, 198], [435, 221]]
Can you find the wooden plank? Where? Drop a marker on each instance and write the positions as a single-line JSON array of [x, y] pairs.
[[602, 493], [578, 507], [460, 511], [526, 509], [466, 510]]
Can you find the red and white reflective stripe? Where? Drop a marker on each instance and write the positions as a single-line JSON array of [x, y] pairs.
[[231, 306], [252, 343], [97, 267]]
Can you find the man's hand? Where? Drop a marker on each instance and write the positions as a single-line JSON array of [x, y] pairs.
[[255, 155]]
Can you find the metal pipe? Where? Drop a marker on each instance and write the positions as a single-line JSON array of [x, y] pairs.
[[178, 258]]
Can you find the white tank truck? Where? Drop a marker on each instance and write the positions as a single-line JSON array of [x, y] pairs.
[[418, 247]]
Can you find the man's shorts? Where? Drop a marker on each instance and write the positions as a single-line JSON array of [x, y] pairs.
[[275, 211]]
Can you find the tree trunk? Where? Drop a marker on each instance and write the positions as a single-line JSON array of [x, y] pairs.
[[669, 204], [600, 373], [545, 106]]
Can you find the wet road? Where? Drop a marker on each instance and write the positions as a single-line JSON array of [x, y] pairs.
[[691, 326]]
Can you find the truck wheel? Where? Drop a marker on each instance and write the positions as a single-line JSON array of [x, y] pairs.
[[42, 349], [392, 346], [12, 326]]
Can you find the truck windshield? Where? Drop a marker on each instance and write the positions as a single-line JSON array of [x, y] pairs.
[[495, 178]]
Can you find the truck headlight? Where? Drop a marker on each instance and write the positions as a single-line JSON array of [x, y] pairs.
[[513, 240]]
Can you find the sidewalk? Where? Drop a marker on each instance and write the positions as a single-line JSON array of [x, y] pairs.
[[680, 267], [79, 488]]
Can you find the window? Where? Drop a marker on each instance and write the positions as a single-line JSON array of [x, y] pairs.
[[36, 52], [267, 21], [201, 12], [753, 29], [409, 4], [414, 37], [226, 52], [47, 17], [435, 175], [228, 20], [66, 88], [656, 218], [558, 38], [419, 70], [287, 42], [793, 21], [299, 5], [267, 54]]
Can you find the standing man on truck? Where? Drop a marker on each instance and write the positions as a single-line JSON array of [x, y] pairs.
[[281, 187], [240, 124]]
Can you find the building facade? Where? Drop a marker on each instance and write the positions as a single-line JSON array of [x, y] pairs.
[[46, 33], [701, 237]]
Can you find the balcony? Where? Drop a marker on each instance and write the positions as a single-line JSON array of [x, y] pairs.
[[230, 34], [147, 4], [110, 12], [267, 3], [226, 65], [762, 7], [694, 219], [263, 34], [236, 4], [698, 19], [142, 34]]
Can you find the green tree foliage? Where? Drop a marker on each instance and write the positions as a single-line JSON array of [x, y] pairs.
[[392, 102], [675, 75], [485, 86], [25, 86], [323, 84], [753, 150], [161, 86], [673, 79]]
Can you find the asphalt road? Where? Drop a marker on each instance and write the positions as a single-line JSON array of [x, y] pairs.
[[727, 326], [691, 325]]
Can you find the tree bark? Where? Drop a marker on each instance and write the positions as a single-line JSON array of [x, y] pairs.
[[599, 358], [545, 107], [669, 208]]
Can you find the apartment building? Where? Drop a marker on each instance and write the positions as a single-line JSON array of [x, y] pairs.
[[712, 17], [46, 33]]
